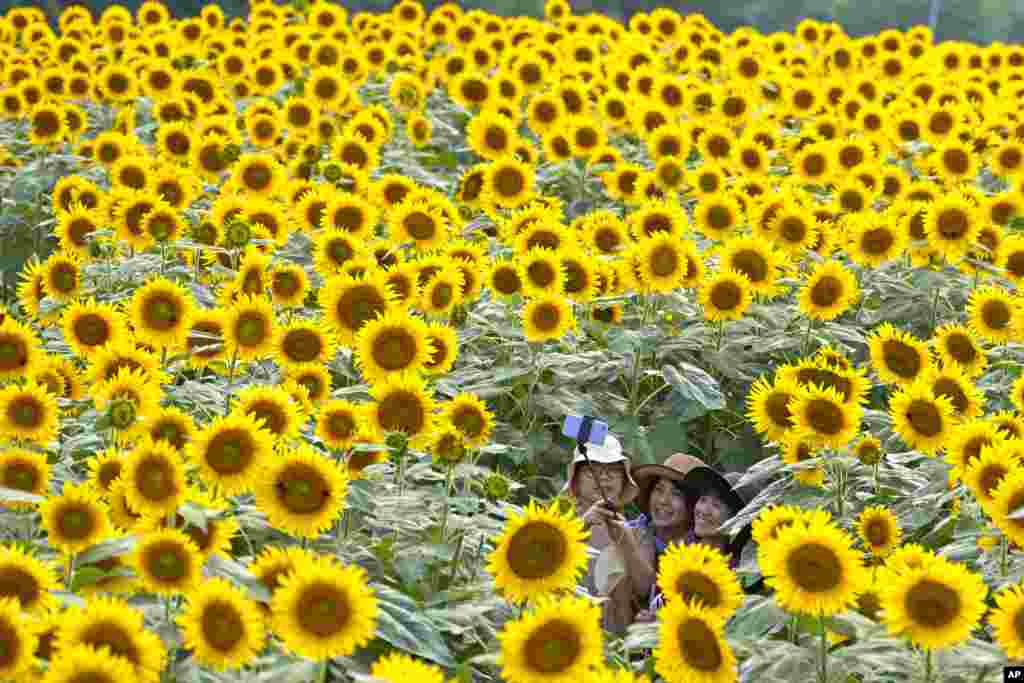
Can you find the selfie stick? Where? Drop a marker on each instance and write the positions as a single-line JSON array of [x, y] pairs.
[[581, 443]]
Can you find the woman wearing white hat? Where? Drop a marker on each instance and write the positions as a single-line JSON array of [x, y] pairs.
[[608, 474]]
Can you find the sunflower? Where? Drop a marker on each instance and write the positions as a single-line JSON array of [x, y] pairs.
[[661, 261], [956, 344], [128, 397], [402, 404], [444, 343], [898, 357], [442, 291], [398, 667], [62, 276], [983, 474], [539, 551], [20, 352], [89, 326], [993, 314], [274, 408], [230, 452], [1007, 499], [951, 381], [18, 641], [768, 407], [922, 419], [470, 415], [160, 311], [167, 562], [547, 318], [967, 440], [873, 240], [258, 174], [725, 296], [111, 623], [76, 519], [249, 329], [700, 574], [933, 606], [508, 183], [829, 290], [558, 640], [26, 471], [302, 492], [223, 628], [879, 530], [821, 415], [154, 477], [304, 341], [338, 424], [28, 413], [315, 379], [691, 645], [813, 568], [323, 610], [952, 225], [350, 303], [1006, 620], [289, 285], [792, 227], [394, 342], [771, 520], [717, 215], [81, 663], [27, 580]]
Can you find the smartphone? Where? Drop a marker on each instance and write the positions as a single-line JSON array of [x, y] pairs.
[[585, 428]]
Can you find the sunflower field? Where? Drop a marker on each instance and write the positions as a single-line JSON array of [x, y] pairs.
[[296, 304]]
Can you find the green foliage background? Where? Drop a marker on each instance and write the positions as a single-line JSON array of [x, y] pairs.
[[981, 21]]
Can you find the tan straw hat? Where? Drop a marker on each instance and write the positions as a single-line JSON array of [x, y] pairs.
[[607, 453], [675, 469]]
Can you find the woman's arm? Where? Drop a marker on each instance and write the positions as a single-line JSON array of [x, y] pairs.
[[637, 548]]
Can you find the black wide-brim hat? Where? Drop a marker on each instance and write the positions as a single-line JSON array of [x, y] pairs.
[[703, 479]]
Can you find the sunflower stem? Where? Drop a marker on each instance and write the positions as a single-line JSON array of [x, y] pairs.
[[721, 335], [792, 629], [323, 671], [824, 650], [70, 571], [195, 272], [807, 337], [1004, 555], [935, 309], [447, 500], [928, 668], [231, 378]]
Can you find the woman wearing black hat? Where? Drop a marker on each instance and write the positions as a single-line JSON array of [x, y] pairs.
[[716, 501]]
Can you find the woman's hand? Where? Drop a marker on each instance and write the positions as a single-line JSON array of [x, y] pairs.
[[599, 514], [645, 616]]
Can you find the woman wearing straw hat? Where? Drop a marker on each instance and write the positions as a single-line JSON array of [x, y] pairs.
[[607, 474], [714, 501], [667, 506]]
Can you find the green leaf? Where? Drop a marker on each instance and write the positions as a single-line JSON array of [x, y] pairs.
[[16, 496], [107, 549], [400, 623], [758, 617], [694, 384], [86, 576]]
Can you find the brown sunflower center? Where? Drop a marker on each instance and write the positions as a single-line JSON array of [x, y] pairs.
[[302, 345], [13, 353], [824, 416], [726, 296], [536, 551], [924, 418], [302, 489], [878, 241], [323, 610], [751, 263], [252, 328], [826, 291], [932, 604], [16, 582], [694, 585], [961, 349], [956, 161], [272, 415], [699, 646], [664, 261], [222, 626], [402, 411], [990, 477], [75, 521], [996, 315], [777, 407], [394, 349], [358, 305], [230, 452], [25, 412], [155, 479], [815, 568], [257, 177], [952, 224], [553, 648], [509, 182], [167, 561], [546, 317], [951, 389], [161, 312], [901, 359], [877, 532]]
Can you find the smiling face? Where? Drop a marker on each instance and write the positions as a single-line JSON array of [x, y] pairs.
[[708, 515], [668, 506], [612, 477]]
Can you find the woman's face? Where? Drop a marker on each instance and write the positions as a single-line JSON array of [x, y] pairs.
[[612, 477], [668, 505], [708, 515]]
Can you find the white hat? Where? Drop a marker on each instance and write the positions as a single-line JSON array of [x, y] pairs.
[[608, 452]]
